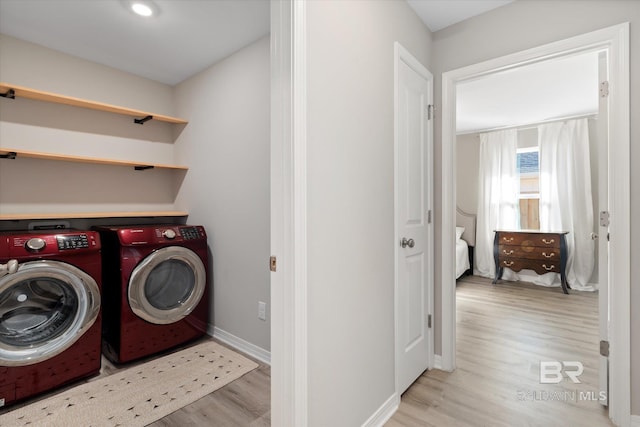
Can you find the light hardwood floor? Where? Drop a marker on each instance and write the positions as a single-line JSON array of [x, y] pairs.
[[503, 332], [244, 402]]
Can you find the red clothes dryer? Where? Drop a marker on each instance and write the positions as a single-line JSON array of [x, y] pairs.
[[155, 288], [49, 310]]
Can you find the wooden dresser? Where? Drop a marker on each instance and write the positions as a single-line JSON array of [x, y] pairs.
[[542, 252]]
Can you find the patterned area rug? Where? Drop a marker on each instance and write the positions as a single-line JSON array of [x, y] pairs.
[[139, 395]]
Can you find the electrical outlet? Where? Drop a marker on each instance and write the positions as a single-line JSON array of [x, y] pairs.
[[262, 310]]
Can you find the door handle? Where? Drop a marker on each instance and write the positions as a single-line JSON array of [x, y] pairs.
[[407, 242]]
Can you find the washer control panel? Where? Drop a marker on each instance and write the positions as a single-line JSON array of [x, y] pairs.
[[189, 233], [72, 241], [41, 243]]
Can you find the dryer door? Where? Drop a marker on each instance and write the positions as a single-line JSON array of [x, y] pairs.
[[45, 307], [167, 285]]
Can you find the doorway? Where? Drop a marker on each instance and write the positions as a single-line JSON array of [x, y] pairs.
[[614, 41]]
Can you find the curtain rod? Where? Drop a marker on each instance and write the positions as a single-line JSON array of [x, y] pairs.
[[531, 125]]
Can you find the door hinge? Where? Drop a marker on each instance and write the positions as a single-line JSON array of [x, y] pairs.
[[604, 89], [429, 321], [273, 263], [604, 219], [604, 348], [431, 111]]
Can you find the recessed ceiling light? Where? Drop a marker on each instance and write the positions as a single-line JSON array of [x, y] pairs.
[[141, 9]]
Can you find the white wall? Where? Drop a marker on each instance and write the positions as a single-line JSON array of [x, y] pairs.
[[350, 203], [43, 186], [515, 27], [467, 172], [28, 64], [227, 147]]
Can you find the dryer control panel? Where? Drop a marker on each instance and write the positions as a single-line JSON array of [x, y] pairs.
[[157, 234]]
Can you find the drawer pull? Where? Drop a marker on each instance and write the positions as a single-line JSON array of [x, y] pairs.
[[507, 253], [544, 254], [508, 239], [552, 267], [548, 242], [508, 263]]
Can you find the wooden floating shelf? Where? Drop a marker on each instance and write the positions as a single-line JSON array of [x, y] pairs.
[[76, 215], [4, 152], [9, 90]]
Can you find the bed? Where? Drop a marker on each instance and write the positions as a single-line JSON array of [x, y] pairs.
[[465, 242]]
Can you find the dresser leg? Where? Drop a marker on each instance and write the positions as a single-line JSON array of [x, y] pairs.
[[563, 264], [563, 280], [499, 271]]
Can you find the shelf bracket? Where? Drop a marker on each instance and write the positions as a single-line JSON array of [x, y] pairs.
[[142, 168], [11, 94], [143, 120], [10, 155]]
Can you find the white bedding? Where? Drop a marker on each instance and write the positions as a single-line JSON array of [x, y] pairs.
[[462, 257]]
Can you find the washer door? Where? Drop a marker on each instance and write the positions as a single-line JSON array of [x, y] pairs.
[[167, 285], [45, 307]]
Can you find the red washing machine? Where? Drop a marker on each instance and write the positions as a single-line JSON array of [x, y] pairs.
[[155, 288], [49, 310]]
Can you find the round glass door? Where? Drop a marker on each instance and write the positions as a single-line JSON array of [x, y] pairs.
[[167, 285], [45, 307]]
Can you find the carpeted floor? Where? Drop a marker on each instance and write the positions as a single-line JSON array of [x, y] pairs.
[[139, 395]]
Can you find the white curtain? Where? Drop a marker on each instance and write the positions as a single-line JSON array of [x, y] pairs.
[[565, 196], [497, 195]]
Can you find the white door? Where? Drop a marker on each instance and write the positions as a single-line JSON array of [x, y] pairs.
[[413, 218], [603, 240]]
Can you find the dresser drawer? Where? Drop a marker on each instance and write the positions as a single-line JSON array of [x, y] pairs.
[[528, 252], [540, 267], [529, 239]]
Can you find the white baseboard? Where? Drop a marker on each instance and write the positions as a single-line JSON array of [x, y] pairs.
[[239, 344], [635, 420], [384, 412], [437, 361]]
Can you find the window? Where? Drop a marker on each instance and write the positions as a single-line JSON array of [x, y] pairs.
[[529, 172]]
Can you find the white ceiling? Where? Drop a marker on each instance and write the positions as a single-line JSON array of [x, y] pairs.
[[438, 14], [186, 37], [534, 93]]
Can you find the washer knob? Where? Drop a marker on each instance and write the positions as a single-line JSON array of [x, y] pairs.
[[35, 244], [169, 234]]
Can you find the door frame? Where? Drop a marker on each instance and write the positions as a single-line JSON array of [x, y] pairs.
[[402, 54], [289, 367], [615, 40]]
